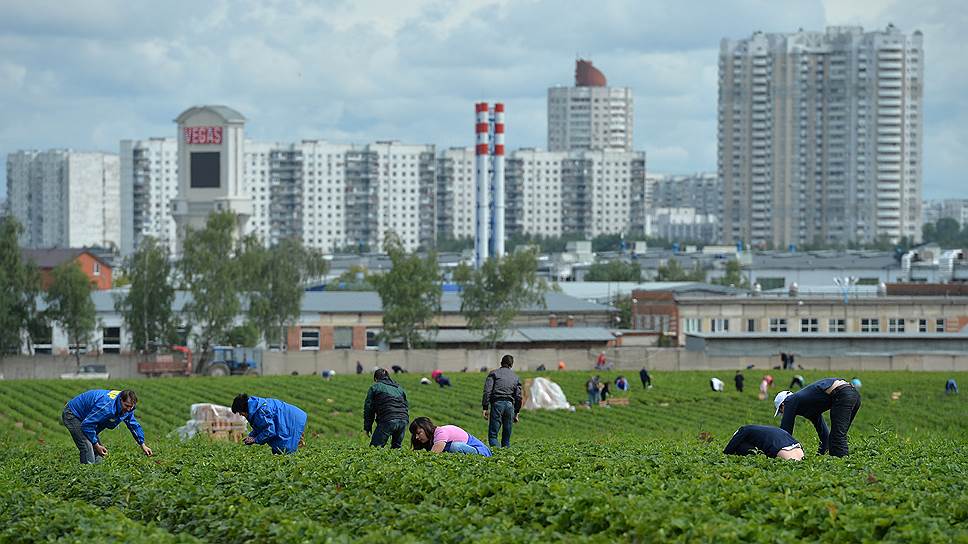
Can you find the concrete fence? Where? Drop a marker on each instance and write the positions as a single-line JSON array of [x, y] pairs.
[[456, 360]]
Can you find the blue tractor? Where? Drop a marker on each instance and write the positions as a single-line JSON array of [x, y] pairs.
[[228, 360]]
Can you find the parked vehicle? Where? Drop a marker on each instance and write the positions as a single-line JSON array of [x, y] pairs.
[[176, 363], [228, 360]]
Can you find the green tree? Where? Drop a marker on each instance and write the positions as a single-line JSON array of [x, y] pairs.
[[147, 306], [614, 271], [496, 293], [19, 287], [355, 278], [275, 280], [69, 305], [733, 276], [246, 334], [673, 271], [212, 274], [409, 292], [623, 304]]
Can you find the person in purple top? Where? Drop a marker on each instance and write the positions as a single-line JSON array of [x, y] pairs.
[[424, 435], [834, 394], [89, 413]]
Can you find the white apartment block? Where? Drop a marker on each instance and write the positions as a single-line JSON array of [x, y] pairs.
[[580, 192], [65, 198], [590, 115], [820, 136], [456, 193], [682, 225], [701, 191], [149, 181]]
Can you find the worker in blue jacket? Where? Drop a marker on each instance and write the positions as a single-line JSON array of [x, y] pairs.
[[273, 422], [89, 413]]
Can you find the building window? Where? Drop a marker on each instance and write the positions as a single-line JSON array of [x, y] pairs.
[[719, 325], [895, 325], [870, 325], [373, 338], [939, 325], [42, 339], [750, 325], [111, 340], [97, 268], [343, 338], [922, 325], [837, 325], [778, 324], [310, 339], [693, 324], [809, 324], [771, 283]]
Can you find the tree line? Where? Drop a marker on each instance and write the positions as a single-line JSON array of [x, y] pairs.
[[226, 277]]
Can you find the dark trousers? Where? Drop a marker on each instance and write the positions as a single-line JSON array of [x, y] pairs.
[[502, 417], [84, 446], [846, 402], [394, 429]]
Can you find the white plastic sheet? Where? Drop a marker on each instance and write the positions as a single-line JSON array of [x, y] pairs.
[[544, 394]]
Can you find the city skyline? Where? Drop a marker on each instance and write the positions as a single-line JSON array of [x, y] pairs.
[[87, 76]]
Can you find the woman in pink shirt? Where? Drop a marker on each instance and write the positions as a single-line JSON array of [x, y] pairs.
[[424, 435]]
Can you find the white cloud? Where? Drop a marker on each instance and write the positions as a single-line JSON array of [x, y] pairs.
[[86, 75]]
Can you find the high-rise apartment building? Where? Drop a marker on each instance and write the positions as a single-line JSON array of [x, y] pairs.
[[820, 136], [65, 198], [952, 208], [549, 193], [702, 192], [591, 115], [149, 181]]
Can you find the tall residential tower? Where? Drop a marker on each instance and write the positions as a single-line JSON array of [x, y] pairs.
[[820, 136], [591, 116]]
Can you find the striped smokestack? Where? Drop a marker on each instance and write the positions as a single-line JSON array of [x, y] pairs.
[[481, 128], [498, 226]]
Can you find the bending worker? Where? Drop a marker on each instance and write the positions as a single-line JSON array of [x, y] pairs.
[[812, 401], [273, 422], [501, 402], [89, 413], [387, 402], [772, 441]]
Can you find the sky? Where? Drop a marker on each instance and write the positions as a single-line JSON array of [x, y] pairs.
[[85, 75]]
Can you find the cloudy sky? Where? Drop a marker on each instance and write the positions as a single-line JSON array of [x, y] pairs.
[[88, 74]]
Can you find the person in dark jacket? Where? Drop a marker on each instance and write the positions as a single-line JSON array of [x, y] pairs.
[[738, 379], [646, 379], [772, 441], [91, 412], [501, 402], [833, 394], [359, 367], [276, 423], [387, 402]]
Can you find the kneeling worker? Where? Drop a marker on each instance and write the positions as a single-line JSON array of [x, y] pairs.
[[89, 413], [772, 441], [273, 422]]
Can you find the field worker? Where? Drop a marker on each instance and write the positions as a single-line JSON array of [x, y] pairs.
[[797, 382], [772, 441], [833, 394], [951, 386], [561, 365], [605, 392], [738, 379], [438, 376], [89, 413], [716, 385], [646, 379], [855, 381], [387, 402], [274, 422], [501, 402], [328, 374], [424, 435], [621, 383], [594, 393]]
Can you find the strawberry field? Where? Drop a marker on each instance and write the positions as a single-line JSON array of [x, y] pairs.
[[652, 470]]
